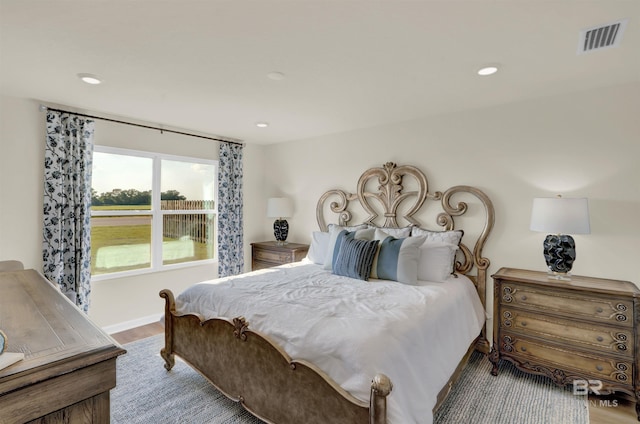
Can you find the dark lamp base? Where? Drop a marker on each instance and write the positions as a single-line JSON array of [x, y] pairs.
[[559, 253], [281, 230]]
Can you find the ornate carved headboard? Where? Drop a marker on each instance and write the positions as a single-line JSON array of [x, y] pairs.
[[391, 204]]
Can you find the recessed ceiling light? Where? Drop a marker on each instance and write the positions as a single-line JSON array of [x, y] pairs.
[[90, 79], [276, 76], [262, 124], [488, 70]]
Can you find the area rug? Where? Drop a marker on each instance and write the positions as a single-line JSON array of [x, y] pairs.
[[147, 394]]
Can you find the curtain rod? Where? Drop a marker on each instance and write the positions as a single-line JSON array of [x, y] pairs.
[[43, 108]]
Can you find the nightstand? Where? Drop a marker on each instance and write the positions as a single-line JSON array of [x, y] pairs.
[[585, 329], [266, 254]]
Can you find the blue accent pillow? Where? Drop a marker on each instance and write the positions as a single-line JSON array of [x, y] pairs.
[[355, 257], [336, 248], [361, 232], [397, 259]]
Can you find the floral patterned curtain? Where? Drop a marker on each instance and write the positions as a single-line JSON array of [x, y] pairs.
[[230, 228], [66, 251]]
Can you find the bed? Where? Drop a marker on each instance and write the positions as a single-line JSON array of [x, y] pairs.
[[297, 343]]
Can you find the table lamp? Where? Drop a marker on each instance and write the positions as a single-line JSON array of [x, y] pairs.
[[280, 208], [560, 217]]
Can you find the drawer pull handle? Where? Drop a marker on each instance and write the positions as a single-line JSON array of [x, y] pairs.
[[523, 348], [599, 367], [599, 338], [599, 310], [523, 297], [524, 323]]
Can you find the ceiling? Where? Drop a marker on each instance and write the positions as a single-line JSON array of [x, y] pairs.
[[203, 65]]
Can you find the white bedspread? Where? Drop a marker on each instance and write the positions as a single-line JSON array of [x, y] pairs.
[[353, 329]]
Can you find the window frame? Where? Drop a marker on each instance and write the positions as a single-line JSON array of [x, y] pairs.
[[157, 213]]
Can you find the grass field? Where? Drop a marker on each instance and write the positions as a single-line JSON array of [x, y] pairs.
[[121, 208], [131, 235]]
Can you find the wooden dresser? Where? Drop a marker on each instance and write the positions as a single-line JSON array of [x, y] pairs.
[[69, 365], [266, 254], [584, 329]]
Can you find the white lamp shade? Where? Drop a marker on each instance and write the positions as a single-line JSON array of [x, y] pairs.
[[559, 215], [279, 207]]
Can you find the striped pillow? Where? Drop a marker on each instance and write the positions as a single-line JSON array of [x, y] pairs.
[[355, 258], [335, 232], [397, 259]]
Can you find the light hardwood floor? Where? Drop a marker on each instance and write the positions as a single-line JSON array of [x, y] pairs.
[[138, 333], [602, 409]]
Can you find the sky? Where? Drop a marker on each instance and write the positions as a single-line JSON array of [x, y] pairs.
[[111, 171]]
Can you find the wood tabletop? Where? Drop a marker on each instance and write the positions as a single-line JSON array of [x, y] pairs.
[[48, 328]]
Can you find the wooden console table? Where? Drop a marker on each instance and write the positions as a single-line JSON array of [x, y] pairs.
[[69, 365]]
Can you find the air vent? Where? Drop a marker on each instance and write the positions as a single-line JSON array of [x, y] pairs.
[[602, 37]]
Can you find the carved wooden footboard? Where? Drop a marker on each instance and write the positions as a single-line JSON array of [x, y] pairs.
[[248, 368]]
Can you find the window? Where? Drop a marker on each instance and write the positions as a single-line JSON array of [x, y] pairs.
[[150, 211]]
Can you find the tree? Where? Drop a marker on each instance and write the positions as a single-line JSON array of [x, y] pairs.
[[131, 196], [95, 200], [172, 195]]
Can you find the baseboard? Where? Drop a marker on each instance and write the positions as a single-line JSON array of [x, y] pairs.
[[128, 325]]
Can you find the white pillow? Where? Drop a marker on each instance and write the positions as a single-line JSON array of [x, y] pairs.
[[318, 249], [436, 261], [361, 233], [394, 232], [452, 236]]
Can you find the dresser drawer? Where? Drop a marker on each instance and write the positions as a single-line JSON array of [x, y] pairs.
[[568, 303], [256, 265], [271, 256], [564, 358], [581, 334]]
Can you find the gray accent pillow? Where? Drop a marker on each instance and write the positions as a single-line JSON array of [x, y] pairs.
[[361, 232], [355, 257]]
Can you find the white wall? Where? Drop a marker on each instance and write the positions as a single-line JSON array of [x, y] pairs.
[[113, 301], [584, 144], [22, 133]]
